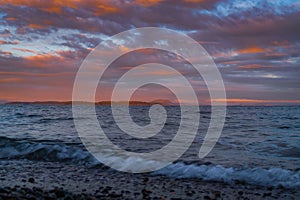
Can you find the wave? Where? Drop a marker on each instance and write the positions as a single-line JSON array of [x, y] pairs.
[[44, 150], [276, 177], [55, 119], [57, 151]]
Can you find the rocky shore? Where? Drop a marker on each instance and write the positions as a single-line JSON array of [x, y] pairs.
[[23, 179]]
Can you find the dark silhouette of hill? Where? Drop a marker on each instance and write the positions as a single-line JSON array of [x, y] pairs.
[[104, 103]]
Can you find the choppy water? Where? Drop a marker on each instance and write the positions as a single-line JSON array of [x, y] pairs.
[[258, 145]]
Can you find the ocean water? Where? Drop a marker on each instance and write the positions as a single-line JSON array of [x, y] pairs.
[[259, 145]]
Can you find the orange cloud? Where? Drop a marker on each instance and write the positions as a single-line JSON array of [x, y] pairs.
[[11, 18], [55, 6], [5, 53], [250, 50], [126, 67], [41, 57], [35, 74], [268, 52], [43, 5], [5, 42], [35, 26], [43, 60], [103, 8], [148, 2]]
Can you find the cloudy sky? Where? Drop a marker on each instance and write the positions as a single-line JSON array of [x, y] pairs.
[[254, 43]]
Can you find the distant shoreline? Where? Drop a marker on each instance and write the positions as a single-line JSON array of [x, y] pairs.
[[131, 103], [104, 103]]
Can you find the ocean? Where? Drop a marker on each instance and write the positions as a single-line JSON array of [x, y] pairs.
[[259, 145]]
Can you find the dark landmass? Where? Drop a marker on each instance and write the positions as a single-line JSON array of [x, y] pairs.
[[104, 103], [133, 103]]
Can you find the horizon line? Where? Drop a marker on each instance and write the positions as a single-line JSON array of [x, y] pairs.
[[249, 102]]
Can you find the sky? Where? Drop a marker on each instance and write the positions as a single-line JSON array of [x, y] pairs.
[[254, 43]]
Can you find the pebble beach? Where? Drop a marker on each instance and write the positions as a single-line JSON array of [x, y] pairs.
[[23, 179]]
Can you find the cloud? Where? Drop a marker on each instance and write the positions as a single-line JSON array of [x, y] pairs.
[[254, 66], [57, 6], [250, 50], [254, 43], [8, 42], [25, 50], [5, 53]]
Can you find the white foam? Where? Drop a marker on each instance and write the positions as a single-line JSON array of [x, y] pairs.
[[61, 152], [256, 176]]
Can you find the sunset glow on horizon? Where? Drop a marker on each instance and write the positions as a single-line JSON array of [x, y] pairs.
[[255, 45]]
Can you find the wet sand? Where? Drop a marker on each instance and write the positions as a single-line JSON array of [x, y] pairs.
[[23, 179]]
